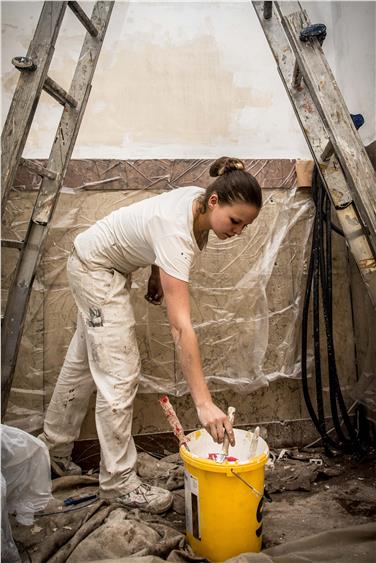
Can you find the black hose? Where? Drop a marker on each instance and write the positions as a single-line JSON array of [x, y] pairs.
[[319, 286], [326, 438], [326, 285]]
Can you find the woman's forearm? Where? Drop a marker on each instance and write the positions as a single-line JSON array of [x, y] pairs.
[[189, 356], [211, 417], [177, 299]]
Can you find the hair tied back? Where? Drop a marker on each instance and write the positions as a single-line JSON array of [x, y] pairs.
[[225, 165]]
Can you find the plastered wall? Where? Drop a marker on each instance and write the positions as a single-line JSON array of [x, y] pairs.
[[190, 79]]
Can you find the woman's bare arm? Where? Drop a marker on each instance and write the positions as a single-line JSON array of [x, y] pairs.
[[176, 293]]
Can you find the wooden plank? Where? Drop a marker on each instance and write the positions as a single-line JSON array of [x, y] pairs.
[[27, 93], [47, 198]]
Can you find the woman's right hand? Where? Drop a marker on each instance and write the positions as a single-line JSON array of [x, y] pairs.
[[215, 422]]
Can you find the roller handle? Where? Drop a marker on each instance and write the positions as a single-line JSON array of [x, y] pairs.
[[226, 441], [173, 421], [254, 442]]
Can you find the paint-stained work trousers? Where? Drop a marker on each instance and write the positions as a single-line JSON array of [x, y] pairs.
[[104, 354]]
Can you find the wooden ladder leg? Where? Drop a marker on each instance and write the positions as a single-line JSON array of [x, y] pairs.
[[27, 93], [33, 245], [350, 182]]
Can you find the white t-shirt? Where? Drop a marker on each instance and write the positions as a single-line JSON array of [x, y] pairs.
[[157, 230]]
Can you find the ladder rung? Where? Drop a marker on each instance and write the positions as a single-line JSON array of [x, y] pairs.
[[12, 243], [86, 22], [57, 92], [268, 10], [296, 77], [327, 152], [38, 168]]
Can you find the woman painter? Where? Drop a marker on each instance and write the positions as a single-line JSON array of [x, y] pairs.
[[165, 232]]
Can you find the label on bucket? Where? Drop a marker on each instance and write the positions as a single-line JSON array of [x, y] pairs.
[[192, 505]]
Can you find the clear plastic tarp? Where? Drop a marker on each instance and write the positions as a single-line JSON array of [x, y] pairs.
[[246, 292], [25, 483]]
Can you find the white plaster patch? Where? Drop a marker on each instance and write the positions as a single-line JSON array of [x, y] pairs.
[[233, 102]]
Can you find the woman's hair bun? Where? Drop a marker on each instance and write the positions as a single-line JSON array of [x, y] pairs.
[[224, 165]]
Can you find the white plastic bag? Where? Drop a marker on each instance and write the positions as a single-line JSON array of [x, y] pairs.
[[26, 469], [9, 552]]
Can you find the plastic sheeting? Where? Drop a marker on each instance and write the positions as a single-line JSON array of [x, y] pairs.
[[246, 292], [25, 466], [25, 483], [9, 550], [245, 298]]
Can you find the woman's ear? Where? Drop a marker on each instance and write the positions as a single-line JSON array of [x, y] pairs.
[[213, 200]]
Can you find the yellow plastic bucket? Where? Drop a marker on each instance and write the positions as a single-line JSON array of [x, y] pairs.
[[224, 501]]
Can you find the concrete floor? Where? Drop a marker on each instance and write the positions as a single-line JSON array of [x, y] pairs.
[[343, 496]]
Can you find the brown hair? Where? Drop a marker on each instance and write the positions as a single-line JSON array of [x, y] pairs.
[[233, 184]]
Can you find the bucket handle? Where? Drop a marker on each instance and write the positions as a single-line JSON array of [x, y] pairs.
[[254, 490]]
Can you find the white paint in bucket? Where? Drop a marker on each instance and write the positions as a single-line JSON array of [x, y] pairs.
[[201, 444]]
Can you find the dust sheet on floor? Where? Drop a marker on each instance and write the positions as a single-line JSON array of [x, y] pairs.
[[101, 532]]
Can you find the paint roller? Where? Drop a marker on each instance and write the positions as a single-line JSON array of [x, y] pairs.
[[173, 421]]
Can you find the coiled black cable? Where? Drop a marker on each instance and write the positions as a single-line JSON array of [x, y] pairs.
[[319, 283]]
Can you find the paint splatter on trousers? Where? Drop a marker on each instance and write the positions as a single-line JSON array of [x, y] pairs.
[[103, 354]]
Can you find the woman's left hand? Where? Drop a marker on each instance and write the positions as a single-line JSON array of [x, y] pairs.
[[154, 294]]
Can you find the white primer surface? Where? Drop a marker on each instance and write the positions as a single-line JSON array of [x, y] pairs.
[[189, 79]]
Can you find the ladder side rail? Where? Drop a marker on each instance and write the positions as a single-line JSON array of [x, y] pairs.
[[347, 144], [317, 138], [82, 76], [20, 290], [303, 105], [347, 215], [19, 294], [27, 93]]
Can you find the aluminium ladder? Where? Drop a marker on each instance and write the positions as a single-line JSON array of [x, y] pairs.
[[336, 147], [32, 80]]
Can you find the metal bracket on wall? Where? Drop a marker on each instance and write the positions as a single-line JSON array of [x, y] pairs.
[[14, 136], [347, 173]]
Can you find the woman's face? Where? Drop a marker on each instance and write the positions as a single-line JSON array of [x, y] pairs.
[[228, 220]]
